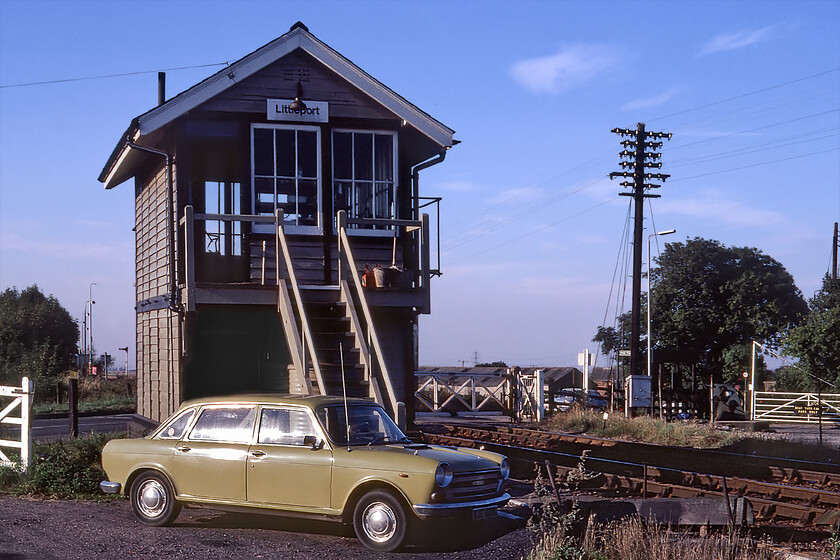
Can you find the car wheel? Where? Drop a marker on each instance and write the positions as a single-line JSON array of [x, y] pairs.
[[380, 521], [153, 500]]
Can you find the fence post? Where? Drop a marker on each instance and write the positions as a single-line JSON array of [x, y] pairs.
[[27, 388]]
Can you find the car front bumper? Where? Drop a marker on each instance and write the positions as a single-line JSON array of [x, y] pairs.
[[110, 487], [457, 508]]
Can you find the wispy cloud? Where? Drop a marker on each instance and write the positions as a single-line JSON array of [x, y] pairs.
[[737, 40], [718, 206], [518, 194], [648, 102], [565, 70], [68, 250]]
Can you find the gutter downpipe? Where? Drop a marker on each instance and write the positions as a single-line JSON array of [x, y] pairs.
[[415, 180], [173, 287], [415, 214]]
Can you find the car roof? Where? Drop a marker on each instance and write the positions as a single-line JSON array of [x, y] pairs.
[[311, 401]]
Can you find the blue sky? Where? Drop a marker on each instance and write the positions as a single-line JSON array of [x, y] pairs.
[[531, 227]]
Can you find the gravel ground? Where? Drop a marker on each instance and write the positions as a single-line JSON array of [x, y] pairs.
[[68, 530]]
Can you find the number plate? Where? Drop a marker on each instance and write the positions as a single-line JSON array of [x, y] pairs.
[[484, 513]]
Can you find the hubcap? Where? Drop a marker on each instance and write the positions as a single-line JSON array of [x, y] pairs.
[[151, 498], [379, 522]]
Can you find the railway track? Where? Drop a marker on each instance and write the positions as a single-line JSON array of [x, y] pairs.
[[782, 493]]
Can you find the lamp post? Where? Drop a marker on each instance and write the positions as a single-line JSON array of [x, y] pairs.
[[90, 327], [650, 301]]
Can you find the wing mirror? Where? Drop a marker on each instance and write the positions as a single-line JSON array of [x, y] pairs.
[[313, 442]]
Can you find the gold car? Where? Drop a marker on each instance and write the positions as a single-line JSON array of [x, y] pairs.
[[304, 456]]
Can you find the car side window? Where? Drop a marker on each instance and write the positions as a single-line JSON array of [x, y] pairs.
[[284, 426], [175, 429], [229, 424]]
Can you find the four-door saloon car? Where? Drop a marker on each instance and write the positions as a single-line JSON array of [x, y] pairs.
[[305, 456]]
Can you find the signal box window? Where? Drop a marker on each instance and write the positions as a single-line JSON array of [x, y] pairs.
[[286, 176], [364, 171]]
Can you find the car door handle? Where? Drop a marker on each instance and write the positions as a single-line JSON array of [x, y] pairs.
[[183, 448], [258, 453]]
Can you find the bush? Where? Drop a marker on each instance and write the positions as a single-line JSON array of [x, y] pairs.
[[67, 469], [10, 478]]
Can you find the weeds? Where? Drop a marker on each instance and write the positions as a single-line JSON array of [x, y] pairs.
[[579, 476], [633, 539], [642, 428], [833, 543]]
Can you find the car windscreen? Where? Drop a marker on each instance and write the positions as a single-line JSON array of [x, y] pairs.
[[369, 425]]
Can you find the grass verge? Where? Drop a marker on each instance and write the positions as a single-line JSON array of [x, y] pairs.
[[642, 428]]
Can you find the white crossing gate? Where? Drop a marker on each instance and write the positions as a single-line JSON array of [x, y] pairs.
[[803, 408], [21, 398]]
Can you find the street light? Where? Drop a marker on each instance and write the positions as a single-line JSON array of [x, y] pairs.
[[650, 300], [90, 328]]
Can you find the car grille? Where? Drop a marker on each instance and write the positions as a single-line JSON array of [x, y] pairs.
[[475, 485]]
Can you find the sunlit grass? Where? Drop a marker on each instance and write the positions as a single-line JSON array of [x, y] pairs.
[[641, 428]]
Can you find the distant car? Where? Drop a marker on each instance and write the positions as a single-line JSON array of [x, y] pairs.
[[303, 456], [566, 398]]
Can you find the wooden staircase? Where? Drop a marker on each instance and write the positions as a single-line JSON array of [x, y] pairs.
[[334, 344]]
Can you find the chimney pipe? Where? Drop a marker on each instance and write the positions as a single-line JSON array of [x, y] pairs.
[[161, 88]]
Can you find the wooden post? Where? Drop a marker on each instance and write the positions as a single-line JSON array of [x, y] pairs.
[[711, 398], [73, 401], [189, 261], [659, 378]]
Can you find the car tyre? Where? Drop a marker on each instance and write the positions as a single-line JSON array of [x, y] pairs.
[[380, 521], [153, 500]]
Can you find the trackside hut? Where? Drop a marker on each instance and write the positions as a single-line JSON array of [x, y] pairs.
[[295, 147]]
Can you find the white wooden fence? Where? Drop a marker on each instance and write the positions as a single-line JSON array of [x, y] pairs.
[[796, 407], [511, 393], [22, 400]]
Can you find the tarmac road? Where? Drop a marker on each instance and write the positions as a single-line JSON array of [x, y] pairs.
[[68, 530]]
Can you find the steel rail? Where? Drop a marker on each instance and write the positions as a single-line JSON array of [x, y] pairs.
[[776, 503]]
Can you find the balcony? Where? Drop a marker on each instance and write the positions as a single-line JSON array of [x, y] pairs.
[[223, 262]]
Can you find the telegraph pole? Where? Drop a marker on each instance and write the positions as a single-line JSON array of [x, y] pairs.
[[834, 246], [635, 148]]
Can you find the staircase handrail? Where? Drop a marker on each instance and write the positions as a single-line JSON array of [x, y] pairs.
[[283, 245], [345, 256]]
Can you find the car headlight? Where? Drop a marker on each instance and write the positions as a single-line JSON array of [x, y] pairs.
[[504, 467], [443, 475]]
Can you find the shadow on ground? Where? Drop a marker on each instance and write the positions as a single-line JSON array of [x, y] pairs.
[[435, 536]]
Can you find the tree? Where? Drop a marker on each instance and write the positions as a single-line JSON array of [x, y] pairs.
[[37, 338], [816, 341], [711, 301], [496, 364]]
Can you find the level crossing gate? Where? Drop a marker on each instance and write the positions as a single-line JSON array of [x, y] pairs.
[[801, 408], [508, 392], [21, 400]]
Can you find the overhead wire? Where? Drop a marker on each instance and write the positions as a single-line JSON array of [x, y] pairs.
[[764, 108], [104, 76]]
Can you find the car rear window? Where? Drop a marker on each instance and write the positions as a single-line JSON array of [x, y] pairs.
[[229, 424], [284, 426]]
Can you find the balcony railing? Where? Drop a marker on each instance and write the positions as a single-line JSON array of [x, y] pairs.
[[411, 265]]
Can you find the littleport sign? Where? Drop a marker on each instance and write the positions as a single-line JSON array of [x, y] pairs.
[[280, 110]]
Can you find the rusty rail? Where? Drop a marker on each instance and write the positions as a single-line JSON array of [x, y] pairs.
[[779, 501]]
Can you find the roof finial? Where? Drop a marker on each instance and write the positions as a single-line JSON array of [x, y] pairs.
[[299, 25]]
